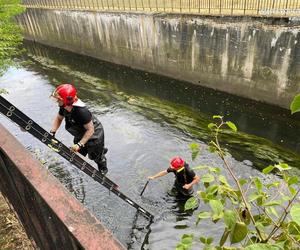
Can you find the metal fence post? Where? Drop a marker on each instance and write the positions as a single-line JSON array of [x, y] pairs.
[[286, 6], [142, 1], [258, 7]]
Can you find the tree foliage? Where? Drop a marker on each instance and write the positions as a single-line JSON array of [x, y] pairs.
[[10, 32], [254, 214]]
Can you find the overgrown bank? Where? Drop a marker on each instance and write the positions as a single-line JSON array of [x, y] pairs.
[[12, 233]]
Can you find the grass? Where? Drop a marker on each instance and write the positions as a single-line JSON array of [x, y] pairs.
[[12, 233], [212, 7]]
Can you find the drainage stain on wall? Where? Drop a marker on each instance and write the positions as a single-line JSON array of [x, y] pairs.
[[253, 58]]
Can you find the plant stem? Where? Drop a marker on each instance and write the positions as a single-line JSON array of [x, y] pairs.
[[220, 152], [283, 216]]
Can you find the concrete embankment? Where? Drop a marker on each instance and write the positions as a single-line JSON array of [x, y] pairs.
[[50, 215], [258, 58]]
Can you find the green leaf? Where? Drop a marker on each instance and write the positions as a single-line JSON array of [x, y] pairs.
[[206, 241], [187, 239], [268, 169], [209, 240], [212, 148], [292, 190], [217, 117], [272, 210], [293, 180], [230, 218], [195, 150], [260, 226], [295, 213], [261, 246], [186, 242], [295, 105], [254, 196], [273, 184], [224, 237], [232, 126], [214, 170], [207, 178], [223, 180], [272, 203], [293, 228], [216, 206], [211, 190], [282, 166], [242, 182], [258, 184], [239, 232], [245, 216], [203, 215], [212, 125], [200, 167], [191, 203]]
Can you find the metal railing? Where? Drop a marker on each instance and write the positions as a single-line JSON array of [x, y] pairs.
[[210, 7]]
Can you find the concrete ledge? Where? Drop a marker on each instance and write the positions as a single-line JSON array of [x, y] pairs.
[[50, 215]]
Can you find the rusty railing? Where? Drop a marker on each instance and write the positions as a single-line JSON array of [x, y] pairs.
[[205, 7]]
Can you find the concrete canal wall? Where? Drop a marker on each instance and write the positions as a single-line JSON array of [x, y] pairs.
[[251, 57], [50, 215]]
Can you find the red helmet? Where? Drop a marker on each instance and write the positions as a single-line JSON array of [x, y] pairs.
[[67, 93], [177, 163]]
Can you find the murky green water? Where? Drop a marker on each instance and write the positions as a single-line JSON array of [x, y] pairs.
[[147, 120]]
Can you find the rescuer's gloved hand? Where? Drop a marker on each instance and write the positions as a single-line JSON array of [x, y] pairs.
[[76, 147]]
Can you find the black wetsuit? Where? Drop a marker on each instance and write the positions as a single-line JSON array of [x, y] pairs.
[[94, 147], [185, 176]]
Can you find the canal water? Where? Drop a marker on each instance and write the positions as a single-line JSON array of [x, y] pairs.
[[147, 120]]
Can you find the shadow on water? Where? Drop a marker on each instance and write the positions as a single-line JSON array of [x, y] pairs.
[[267, 134]]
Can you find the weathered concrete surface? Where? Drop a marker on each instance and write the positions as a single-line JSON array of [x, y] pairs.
[[50, 215], [254, 58]]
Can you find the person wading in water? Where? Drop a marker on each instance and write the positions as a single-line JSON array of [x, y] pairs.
[[185, 176], [81, 123]]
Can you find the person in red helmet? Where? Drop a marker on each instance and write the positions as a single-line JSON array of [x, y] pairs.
[[81, 123], [185, 176]]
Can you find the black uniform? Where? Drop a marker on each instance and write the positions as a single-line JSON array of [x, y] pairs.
[[185, 176], [94, 147]]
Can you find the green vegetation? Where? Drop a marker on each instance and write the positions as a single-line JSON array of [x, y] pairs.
[[254, 214], [10, 33]]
